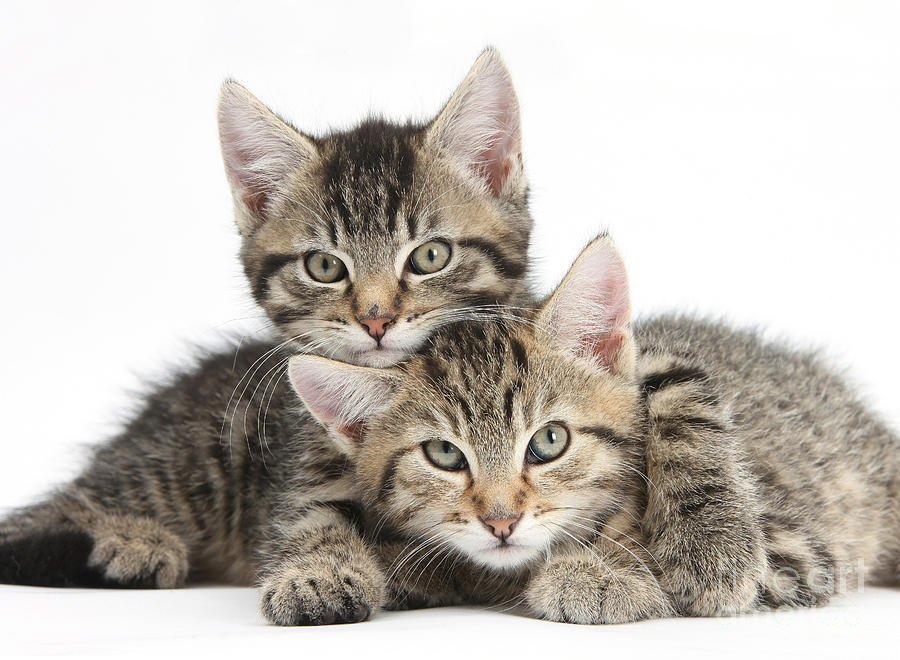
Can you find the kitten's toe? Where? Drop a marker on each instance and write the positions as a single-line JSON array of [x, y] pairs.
[[579, 590], [303, 596], [791, 582], [140, 554]]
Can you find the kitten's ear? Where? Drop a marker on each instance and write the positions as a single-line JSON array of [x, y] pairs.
[[480, 127], [259, 149], [589, 314], [342, 396]]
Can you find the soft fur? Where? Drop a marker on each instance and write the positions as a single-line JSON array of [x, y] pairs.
[[707, 472], [369, 195]]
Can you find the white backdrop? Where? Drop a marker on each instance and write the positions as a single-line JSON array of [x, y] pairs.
[[745, 156]]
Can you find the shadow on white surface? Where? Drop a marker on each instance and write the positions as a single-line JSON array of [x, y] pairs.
[[220, 621]]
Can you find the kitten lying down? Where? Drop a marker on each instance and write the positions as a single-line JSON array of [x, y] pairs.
[[510, 459], [594, 470]]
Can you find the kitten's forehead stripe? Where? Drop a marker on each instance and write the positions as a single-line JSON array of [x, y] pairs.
[[478, 369], [368, 176], [332, 233], [519, 354]]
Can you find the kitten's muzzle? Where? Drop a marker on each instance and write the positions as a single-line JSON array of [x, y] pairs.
[[502, 529]]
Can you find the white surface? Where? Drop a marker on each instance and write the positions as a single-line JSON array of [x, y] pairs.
[[745, 156], [222, 621]]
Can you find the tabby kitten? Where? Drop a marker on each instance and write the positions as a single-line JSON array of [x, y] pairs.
[[358, 245], [510, 458]]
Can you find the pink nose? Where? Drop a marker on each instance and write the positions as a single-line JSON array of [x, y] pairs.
[[377, 327], [502, 529]]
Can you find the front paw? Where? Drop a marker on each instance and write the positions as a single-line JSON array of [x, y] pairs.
[[320, 592], [710, 573], [580, 589]]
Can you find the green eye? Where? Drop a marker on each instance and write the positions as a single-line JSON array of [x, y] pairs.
[[429, 257], [324, 267], [445, 455], [548, 443]]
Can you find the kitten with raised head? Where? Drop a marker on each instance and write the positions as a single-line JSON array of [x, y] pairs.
[[358, 244]]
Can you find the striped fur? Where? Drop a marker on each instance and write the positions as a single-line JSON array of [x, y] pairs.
[[773, 485], [182, 489], [370, 196], [708, 472]]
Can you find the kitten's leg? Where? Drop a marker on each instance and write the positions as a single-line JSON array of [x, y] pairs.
[[317, 569], [70, 540], [609, 579], [703, 511]]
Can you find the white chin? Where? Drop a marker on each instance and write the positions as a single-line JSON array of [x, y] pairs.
[[378, 357], [506, 556]]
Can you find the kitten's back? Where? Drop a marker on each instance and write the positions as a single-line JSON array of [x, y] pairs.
[[825, 464]]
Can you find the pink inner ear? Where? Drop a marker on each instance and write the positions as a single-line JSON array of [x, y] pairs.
[[496, 162], [606, 348], [480, 124], [612, 296], [239, 162], [256, 203], [341, 396], [591, 310], [353, 430]]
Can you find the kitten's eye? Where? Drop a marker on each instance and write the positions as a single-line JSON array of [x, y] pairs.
[[548, 443], [324, 267], [429, 257], [445, 455]]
